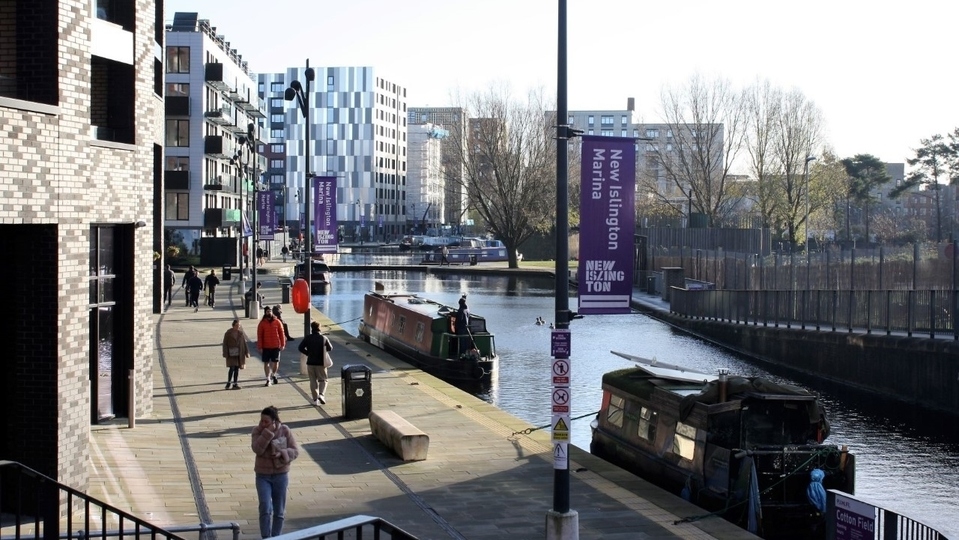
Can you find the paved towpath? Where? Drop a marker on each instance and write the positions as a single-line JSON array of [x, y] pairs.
[[190, 460]]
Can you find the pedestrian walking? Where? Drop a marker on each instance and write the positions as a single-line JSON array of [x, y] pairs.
[[195, 284], [275, 448], [445, 256], [285, 251], [270, 340], [278, 313], [317, 349], [235, 351], [209, 285], [185, 284], [169, 279]]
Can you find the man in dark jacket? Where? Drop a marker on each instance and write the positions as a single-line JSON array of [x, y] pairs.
[[316, 348], [195, 285], [209, 284], [186, 284]]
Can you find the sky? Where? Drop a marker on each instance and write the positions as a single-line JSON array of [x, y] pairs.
[[881, 72]]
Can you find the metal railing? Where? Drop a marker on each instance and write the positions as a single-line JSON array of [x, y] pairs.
[[928, 312], [358, 525]]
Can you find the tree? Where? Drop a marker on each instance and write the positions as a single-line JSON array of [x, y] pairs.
[[706, 122], [932, 164], [783, 130], [866, 174], [509, 165]]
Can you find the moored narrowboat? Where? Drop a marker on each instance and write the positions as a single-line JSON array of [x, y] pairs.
[[420, 331], [748, 449]]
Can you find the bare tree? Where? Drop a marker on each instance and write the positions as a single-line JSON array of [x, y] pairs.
[[509, 163], [798, 135], [706, 121], [762, 103]]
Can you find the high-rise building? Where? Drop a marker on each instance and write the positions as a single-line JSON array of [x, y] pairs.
[[81, 116], [357, 134], [425, 191], [453, 120], [210, 167]]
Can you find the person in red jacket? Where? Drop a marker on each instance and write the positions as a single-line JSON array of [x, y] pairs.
[[270, 340]]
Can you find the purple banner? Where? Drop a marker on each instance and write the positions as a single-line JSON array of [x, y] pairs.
[[607, 224], [324, 214], [265, 214]]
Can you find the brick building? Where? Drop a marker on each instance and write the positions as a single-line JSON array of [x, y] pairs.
[[81, 112]]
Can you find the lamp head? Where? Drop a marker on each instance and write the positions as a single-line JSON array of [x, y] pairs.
[[810, 158], [140, 224], [295, 85], [309, 74], [290, 94]]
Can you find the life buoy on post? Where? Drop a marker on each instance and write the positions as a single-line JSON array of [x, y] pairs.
[[301, 296]]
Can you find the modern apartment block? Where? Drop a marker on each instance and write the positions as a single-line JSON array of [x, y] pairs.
[[455, 121], [357, 134], [426, 189], [210, 168], [81, 117]]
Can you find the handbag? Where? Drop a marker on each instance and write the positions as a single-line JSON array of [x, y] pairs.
[[327, 360], [233, 351]]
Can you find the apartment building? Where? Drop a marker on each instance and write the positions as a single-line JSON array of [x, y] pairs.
[[426, 188], [455, 121], [81, 116], [214, 158], [357, 133]]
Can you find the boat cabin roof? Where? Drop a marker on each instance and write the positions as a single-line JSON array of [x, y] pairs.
[[412, 302]]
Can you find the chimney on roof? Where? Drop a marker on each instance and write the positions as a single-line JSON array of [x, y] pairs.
[[630, 104]]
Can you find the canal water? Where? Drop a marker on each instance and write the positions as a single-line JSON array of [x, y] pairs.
[[906, 462]]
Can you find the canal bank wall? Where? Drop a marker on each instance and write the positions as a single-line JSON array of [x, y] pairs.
[[913, 370]]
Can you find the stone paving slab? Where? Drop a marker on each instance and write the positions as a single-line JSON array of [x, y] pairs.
[[191, 462]]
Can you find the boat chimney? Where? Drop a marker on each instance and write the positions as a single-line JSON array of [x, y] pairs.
[[723, 372]]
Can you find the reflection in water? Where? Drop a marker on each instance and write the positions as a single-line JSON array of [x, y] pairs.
[[906, 463]]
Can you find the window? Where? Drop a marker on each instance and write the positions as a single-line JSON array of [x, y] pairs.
[[329, 80], [277, 148], [669, 134], [624, 133], [606, 120], [177, 206], [684, 441], [177, 133], [614, 414], [420, 330], [624, 120], [650, 147], [276, 163], [177, 163], [277, 86], [276, 179], [606, 132], [276, 118], [652, 133], [178, 89], [590, 120], [276, 103], [590, 132], [276, 133], [177, 59], [647, 424]]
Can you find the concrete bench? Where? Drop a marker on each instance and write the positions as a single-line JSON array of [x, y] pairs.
[[403, 438]]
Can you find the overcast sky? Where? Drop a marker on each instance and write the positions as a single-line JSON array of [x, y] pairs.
[[881, 72]]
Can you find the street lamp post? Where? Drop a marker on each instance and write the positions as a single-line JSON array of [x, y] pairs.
[[805, 175], [301, 94], [248, 142]]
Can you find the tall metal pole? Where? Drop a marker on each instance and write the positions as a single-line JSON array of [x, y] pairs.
[[252, 138], [561, 476], [307, 74]]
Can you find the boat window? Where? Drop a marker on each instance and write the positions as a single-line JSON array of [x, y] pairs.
[[684, 440], [647, 424], [420, 330], [614, 414], [401, 327]]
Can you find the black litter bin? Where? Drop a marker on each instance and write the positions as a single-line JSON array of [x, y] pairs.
[[227, 273], [286, 293], [357, 393]]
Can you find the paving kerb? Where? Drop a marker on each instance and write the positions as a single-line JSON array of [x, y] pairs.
[[190, 461]]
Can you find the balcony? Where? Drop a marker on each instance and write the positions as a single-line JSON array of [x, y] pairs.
[[176, 105], [178, 180], [225, 183], [214, 76], [221, 217], [220, 116], [253, 108], [218, 146]]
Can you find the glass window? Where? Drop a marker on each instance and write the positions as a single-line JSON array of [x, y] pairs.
[[276, 163], [652, 133], [624, 120], [276, 118], [177, 163], [624, 133], [647, 424], [177, 133], [178, 89], [684, 441], [276, 103], [277, 86], [606, 120], [177, 59], [329, 80], [177, 206], [590, 120], [277, 148], [276, 133], [606, 132], [614, 414]]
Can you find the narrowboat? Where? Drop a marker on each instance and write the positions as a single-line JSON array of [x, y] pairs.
[[469, 251], [420, 332], [320, 281], [746, 448]]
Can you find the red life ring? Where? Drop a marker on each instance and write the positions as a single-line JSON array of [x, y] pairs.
[[301, 296]]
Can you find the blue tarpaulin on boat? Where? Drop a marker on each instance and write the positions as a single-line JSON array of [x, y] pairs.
[[815, 492]]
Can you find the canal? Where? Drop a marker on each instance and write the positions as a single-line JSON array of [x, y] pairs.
[[907, 462]]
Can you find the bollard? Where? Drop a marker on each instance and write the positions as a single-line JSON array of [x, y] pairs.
[[132, 422]]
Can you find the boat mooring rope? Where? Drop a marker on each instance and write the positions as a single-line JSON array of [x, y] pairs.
[[342, 322], [527, 431]]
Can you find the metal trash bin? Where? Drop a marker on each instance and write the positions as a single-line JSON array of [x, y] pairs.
[[357, 396], [227, 273], [472, 260], [285, 294]]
